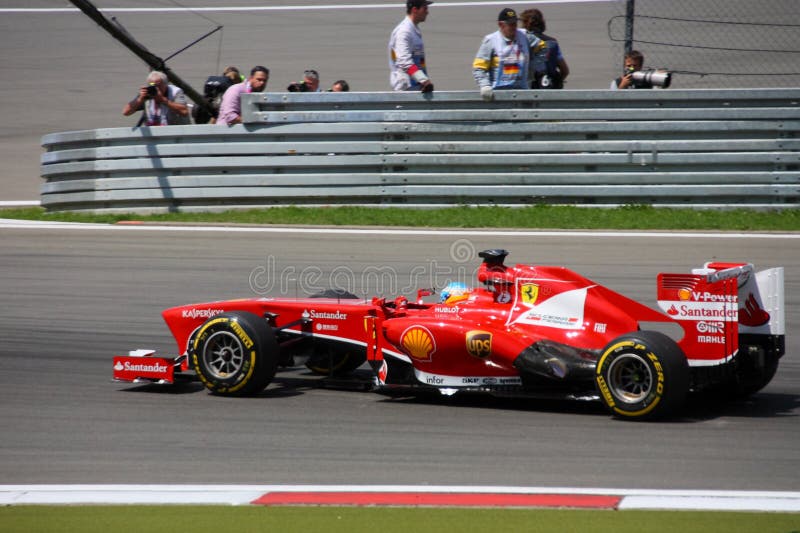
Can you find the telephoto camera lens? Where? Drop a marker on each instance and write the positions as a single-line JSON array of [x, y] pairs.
[[652, 78]]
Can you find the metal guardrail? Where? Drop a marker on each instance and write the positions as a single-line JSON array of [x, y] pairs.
[[688, 147]]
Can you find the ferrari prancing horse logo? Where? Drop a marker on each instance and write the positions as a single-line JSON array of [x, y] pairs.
[[529, 293]]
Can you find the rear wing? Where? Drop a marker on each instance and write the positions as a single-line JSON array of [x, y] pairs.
[[718, 302]]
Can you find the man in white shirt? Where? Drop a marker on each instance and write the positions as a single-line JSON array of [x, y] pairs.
[[407, 51]]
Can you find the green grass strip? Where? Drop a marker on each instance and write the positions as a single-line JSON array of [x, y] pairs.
[[637, 217], [217, 519]]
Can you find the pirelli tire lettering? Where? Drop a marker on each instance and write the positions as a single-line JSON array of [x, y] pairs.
[[234, 354], [643, 375]]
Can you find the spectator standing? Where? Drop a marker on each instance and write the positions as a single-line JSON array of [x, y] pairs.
[[503, 57], [163, 104], [339, 86], [230, 110], [634, 60], [407, 51], [549, 68]]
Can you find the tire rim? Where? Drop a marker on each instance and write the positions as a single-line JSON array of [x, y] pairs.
[[223, 354], [630, 378]]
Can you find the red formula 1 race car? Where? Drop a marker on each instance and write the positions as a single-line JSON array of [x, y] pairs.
[[527, 330]]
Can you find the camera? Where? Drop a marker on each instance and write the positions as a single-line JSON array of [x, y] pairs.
[[213, 90], [647, 79], [151, 90], [299, 87]]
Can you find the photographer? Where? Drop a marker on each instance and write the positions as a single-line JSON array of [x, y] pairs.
[[310, 83], [163, 104], [634, 77]]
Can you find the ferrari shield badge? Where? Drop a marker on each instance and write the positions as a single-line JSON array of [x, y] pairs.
[[563, 310], [529, 293]]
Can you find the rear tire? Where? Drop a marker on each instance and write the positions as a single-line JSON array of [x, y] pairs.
[[234, 354], [642, 375]]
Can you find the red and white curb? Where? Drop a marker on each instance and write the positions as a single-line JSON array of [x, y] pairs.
[[401, 496]]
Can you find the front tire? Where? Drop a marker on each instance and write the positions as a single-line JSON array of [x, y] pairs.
[[642, 375], [234, 354]]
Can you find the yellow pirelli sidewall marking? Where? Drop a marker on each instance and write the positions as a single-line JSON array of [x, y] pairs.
[[612, 349], [604, 390], [659, 388], [195, 344], [601, 382], [641, 411], [247, 376], [204, 328], [237, 329], [248, 342], [196, 365]]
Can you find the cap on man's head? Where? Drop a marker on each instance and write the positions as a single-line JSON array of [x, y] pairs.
[[417, 3], [507, 15]]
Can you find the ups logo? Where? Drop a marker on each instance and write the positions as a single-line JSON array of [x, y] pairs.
[[479, 344]]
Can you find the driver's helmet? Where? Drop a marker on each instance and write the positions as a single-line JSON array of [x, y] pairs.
[[453, 290]]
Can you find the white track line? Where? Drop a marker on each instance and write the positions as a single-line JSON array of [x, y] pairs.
[[20, 203], [35, 224]]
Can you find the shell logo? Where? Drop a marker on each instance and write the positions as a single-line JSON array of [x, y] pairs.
[[684, 294], [418, 342]]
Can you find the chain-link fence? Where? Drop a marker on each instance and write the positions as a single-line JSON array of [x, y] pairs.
[[714, 43]]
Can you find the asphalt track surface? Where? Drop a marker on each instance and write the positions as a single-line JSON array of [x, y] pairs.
[[72, 298]]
